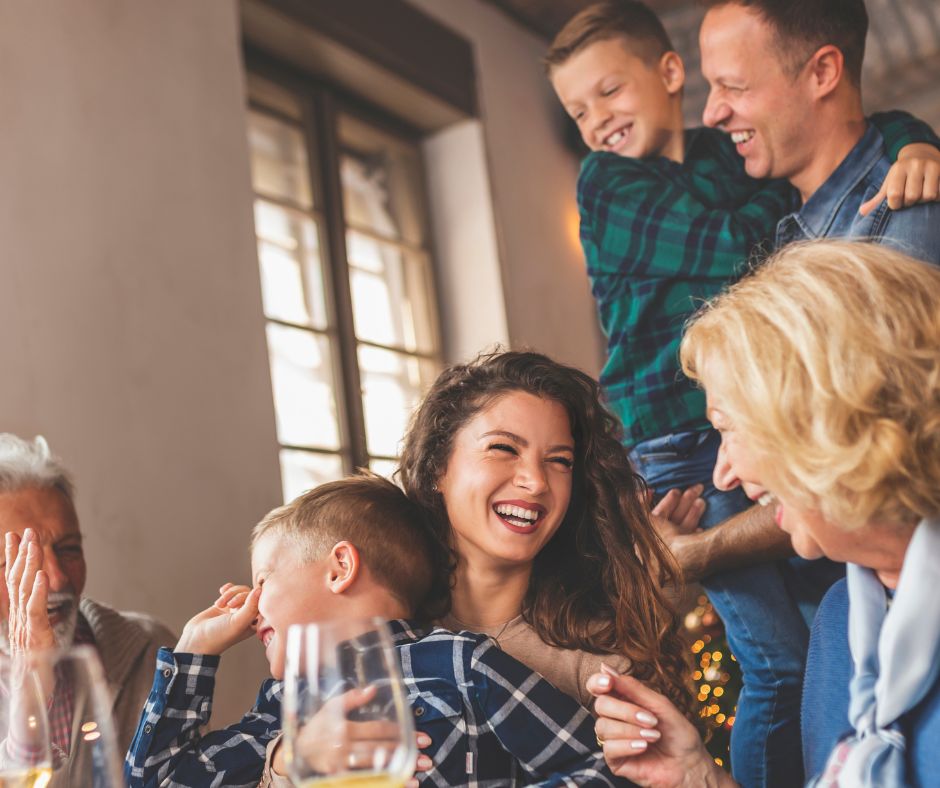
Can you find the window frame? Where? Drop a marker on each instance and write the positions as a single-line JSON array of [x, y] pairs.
[[321, 104]]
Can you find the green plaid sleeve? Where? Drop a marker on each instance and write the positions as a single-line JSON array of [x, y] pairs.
[[899, 129], [655, 219]]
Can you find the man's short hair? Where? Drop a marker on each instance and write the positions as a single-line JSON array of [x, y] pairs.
[[801, 27], [630, 20], [389, 531], [26, 464]]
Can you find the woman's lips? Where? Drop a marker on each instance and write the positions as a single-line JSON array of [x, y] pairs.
[[778, 515], [517, 515]]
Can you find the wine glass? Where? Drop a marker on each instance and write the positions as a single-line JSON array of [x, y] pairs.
[[25, 757], [77, 708], [346, 715]]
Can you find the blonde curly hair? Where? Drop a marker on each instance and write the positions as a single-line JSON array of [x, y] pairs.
[[827, 359]]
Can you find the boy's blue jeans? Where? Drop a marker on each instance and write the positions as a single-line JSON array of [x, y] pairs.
[[766, 609]]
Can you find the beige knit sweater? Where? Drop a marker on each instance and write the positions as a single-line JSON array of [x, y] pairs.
[[127, 645]]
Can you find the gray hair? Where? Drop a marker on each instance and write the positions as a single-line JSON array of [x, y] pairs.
[[26, 464]]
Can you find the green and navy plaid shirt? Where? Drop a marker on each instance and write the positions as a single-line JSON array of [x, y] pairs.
[[659, 239]]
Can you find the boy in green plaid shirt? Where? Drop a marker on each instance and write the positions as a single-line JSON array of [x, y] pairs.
[[668, 218]]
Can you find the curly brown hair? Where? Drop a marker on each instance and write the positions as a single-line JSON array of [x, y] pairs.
[[597, 586]]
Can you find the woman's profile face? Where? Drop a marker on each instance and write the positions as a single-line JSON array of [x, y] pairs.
[[508, 480], [740, 465]]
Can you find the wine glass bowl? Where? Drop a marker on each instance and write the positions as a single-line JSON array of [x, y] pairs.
[[68, 714], [346, 715], [25, 753]]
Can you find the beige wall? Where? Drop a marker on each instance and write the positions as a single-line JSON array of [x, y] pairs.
[[532, 178], [130, 302]]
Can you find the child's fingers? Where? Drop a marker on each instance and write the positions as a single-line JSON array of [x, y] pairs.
[[247, 613], [231, 591], [932, 184], [870, 205]]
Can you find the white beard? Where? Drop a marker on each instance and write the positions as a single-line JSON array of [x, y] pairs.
[[64, 630]]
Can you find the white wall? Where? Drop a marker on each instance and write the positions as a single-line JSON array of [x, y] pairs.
[[130, 301], [532, 176], [466, 249]]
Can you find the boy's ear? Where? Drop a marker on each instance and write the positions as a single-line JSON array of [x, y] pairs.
[[344, 567], [826, 69], [672, 71]]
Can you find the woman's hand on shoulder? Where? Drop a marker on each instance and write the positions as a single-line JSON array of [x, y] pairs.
[[646, 739]]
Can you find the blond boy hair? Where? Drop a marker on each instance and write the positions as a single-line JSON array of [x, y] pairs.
[[634, 22], [388, 530]]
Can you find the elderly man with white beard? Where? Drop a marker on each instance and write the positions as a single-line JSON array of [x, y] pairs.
[[41, 601]]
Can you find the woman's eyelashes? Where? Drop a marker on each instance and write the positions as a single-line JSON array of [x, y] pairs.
[[565, 462]]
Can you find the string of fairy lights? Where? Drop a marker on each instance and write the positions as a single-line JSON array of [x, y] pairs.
[[716, 677]]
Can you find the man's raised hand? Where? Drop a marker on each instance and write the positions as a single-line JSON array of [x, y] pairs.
[[27, 588]]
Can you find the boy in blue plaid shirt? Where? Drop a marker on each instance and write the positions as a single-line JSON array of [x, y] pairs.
[[351, 549], [669, 217]]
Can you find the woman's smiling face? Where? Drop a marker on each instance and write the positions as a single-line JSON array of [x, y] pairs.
[[739, 464], [508, 480]]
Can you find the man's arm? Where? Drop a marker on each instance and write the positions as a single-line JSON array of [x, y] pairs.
[[168, 744], [547, 731], [751, 537]]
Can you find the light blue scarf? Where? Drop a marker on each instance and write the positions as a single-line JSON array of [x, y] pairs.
[[896, 654]]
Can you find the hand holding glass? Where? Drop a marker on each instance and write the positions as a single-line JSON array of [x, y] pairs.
[[346, 716]]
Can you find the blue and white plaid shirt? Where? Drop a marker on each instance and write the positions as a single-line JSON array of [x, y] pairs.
[[492, 721]]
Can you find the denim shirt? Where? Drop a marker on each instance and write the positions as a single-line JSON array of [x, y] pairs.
[[832, 210]]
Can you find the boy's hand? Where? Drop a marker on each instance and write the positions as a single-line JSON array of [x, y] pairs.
[[679, 512], [229, 621], [913, 178]]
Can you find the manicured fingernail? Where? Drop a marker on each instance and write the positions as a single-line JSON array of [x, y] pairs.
[[638, 744], [424, 762], [424, 740], [649, 733], [646, 717], [603, 682]]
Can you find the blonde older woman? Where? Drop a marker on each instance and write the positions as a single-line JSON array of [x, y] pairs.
[[822, 372]]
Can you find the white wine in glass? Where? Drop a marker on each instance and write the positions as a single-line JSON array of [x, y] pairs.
[[25, 755], [347, 721]]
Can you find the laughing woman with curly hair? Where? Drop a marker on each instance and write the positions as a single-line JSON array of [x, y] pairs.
[[524, 476]]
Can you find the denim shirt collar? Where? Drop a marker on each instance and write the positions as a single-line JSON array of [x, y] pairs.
[[821, 209]]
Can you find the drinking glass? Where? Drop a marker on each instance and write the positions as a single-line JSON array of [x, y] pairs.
[[346, 715], [76, 709], [25, 757]]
